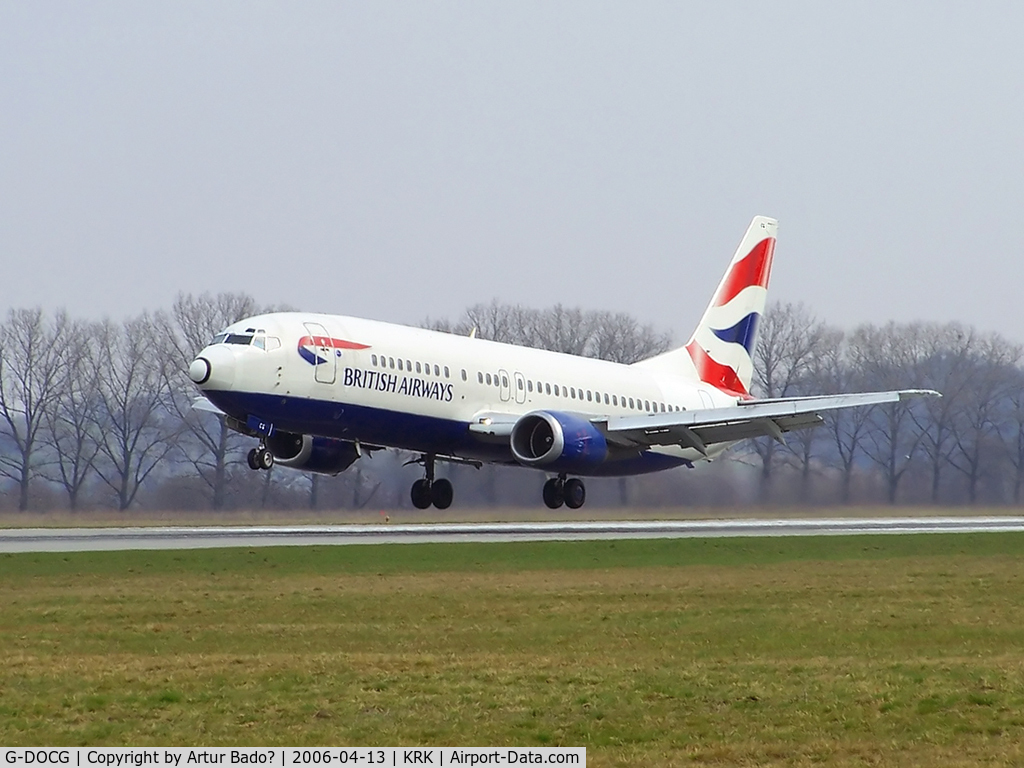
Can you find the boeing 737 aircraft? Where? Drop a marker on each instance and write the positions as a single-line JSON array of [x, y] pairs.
[[318, 391]]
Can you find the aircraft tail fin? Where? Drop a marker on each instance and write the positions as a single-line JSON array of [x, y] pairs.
[[721, 350]]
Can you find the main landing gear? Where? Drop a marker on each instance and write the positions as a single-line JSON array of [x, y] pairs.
[[260, 458], [427, 490], [558, 491]]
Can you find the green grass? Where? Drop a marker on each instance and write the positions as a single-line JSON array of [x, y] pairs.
[[873, 650]]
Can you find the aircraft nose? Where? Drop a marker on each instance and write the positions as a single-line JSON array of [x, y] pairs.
[[214, 368]]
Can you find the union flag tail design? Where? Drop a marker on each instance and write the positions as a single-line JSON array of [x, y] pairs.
[[720, 351]]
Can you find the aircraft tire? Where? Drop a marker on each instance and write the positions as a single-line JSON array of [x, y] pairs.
[[553, 495], [574, 492], [442, 493], [252, 460], [421, 494], [264, 458]]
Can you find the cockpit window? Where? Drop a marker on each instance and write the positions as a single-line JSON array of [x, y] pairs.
[[238, 338], [218, 339]]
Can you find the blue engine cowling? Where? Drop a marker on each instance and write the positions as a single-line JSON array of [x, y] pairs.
[[323, 455], [558, 442]]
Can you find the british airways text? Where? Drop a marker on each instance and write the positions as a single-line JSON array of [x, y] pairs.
[[402, 385]]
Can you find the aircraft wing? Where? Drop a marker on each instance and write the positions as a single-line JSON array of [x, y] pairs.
[[753, 418]]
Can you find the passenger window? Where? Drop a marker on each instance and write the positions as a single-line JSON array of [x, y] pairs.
[[488, 378], [588, 395], [547, 389], [504, 381], [519, 384], [373, 358], [392, 361], [662, 407], [556, 390], [572, 392], [437, 371], [400, 364], [615, 400], [418, 367], [647, 406], [631, 402], [497, 380], [529, 386], [480, 377], [606, 398], [464, 376], [408, 366], [446, 371]]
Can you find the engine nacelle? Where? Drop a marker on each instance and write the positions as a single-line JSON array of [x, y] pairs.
[[558, 442], [312, 454]]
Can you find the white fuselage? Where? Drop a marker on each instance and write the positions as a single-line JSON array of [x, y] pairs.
[[396, 386]]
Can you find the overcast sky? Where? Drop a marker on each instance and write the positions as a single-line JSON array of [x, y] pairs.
[[399, 161]]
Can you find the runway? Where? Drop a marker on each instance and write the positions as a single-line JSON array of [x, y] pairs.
[[178, 537]]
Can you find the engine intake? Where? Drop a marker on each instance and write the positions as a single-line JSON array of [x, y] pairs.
[[557, 441], [323, 455]]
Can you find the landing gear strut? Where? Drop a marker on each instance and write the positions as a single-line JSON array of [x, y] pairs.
[[427, 490], [558, 491], [260, 458]]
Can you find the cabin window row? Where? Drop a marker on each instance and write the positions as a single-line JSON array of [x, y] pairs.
[[574, 393], [400, 364]]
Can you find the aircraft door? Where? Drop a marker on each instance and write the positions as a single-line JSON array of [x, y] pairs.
[[520, 391], [323, 356], [504, 386]]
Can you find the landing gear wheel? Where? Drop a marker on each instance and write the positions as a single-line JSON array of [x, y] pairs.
[[441, 493], [252, 460], [574, 493], [553, 493], [421, 494], [264, 458]]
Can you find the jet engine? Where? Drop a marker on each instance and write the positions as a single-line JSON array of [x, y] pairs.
[[558, 442], [323, 455]]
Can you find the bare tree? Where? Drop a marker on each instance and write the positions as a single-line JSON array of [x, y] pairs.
[[806, 444], [982, 410], [790, 339], [846, 427], [135, 428], [71, 420], [31, 372], [604, 335], [621, 338], [888, 357], [1012, 433], [944, 365]]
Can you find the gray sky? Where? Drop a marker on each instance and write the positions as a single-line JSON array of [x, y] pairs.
[[403, 160]]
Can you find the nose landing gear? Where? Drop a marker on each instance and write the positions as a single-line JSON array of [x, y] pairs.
[[260, 458], [558, 491], [427, 490]]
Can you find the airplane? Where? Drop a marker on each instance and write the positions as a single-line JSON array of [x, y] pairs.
[[318, 391]]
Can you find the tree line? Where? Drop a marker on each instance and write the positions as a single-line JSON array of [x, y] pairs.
[[98, 414]]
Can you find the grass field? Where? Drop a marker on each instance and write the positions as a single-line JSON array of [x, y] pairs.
[[881, 650]]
